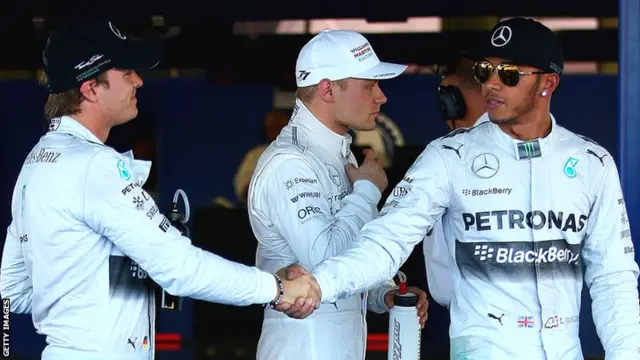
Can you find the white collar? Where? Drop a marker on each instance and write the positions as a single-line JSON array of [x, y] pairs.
[[69, 125], [527, 149], [482, 119], [319, 133]]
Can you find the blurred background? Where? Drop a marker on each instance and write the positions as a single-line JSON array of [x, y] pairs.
[[225, 87]]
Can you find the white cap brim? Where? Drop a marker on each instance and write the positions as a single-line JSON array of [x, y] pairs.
[[383, 70]]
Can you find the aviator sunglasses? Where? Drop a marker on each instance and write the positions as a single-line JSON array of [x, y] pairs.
[[508, 74]]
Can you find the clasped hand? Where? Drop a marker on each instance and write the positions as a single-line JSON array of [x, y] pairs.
[[302, 294]]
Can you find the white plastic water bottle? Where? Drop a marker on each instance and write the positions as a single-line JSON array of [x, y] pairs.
[[404, 325]]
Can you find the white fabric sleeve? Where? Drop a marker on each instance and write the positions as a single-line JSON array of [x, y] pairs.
[[611, 272], [385, 243], [15, 283], [145, 236], [375, 300]]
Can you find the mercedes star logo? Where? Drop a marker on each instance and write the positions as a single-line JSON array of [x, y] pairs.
[[501, 36], [485, 165], [116, 31], [334, 175]]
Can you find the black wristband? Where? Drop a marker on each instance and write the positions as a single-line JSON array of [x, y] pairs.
[[275, 303]]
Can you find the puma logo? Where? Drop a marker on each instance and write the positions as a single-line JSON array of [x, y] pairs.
[[490, 315], [132, 343], [447, 147], [596, 155]]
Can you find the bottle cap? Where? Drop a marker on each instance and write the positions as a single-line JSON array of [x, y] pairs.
[[408, 300]]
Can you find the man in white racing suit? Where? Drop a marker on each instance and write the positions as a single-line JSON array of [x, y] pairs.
[[304, 206], [462, 105], [86, 239], [525, 204]]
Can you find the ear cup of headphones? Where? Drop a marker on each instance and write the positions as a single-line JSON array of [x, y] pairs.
[[451, 102]]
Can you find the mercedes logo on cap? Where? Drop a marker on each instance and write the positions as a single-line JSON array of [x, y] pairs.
[[501, 36], [116, 31], [485, 165]]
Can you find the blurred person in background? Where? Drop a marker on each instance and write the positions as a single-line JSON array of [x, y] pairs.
[[274, 122], [462, 105], [85, 238], [525, 205], [308, 198]]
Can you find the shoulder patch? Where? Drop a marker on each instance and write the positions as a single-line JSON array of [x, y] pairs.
[[600, 155], [456, 132], [459, 131], [588, 139]]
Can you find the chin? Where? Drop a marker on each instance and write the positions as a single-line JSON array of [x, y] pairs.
[[366, 125], [498, 117], [128, 116]]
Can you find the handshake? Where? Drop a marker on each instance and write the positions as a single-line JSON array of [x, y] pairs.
[[302, 294]]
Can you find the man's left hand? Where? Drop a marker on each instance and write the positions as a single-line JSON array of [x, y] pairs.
[[422, 306]]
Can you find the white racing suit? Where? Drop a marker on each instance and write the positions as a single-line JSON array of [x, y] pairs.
[[521, 220], [303, 209], [86, 239], [437, 258]]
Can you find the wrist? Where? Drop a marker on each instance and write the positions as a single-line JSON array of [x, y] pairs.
[[387, 298], [279, 292], [368, 189]]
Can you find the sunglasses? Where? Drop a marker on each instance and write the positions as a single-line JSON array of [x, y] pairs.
[[508, 74]]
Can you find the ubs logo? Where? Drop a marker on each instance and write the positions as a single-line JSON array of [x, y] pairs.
[[400, 191]]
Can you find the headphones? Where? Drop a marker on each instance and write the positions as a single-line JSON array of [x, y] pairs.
[[451, 103]]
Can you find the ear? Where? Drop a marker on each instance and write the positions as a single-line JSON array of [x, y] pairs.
[[88, 90], [549, 83], [326, 91]]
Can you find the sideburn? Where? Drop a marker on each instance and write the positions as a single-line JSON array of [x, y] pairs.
[[528, 102]]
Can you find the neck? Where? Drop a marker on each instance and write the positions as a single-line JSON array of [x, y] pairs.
[[324, 114], [529, 127], [465, 123], [95, 124]]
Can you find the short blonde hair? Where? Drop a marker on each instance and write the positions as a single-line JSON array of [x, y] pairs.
[[306, 93], [68, 102]]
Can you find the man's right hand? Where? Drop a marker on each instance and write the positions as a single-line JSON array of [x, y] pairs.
[[371, 169], [302, 294], [303, 305]]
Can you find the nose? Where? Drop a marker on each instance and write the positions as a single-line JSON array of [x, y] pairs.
[[380, 97], [137, 80], [494, 82]]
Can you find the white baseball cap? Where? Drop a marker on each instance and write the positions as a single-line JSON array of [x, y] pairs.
[[341, 54]]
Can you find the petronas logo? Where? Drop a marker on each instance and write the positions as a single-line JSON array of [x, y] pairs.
[[570, 167]]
